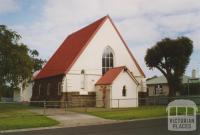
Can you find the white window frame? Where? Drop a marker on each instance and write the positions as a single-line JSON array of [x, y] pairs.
[[107, 59]]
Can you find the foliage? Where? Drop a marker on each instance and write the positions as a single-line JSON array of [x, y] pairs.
[[170, 57], [7, 92], [18, 62], [191, 89]]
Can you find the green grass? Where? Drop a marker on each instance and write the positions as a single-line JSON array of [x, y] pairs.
[[127, 113], [16, 116]]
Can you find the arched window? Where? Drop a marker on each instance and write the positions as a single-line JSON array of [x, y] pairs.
[[124, 91], [107, 60]]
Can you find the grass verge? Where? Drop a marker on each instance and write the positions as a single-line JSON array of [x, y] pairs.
[[16, 116], [126, 113]]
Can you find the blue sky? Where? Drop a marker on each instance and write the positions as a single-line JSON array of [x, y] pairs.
[[44, 24]]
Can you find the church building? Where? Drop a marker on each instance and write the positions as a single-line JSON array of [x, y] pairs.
[[92, 67]]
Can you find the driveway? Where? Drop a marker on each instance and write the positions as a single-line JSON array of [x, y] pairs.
[[72, 119], [144, 127]]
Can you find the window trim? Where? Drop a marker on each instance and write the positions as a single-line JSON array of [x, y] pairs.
[[107, 59]]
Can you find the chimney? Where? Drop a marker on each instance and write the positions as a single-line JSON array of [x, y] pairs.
[[194, 74]]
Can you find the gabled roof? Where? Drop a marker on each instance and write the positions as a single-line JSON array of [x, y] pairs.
[[69, 51], [163, 80], [112, 74]]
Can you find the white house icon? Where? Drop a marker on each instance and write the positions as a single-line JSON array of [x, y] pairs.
[[182, 121]]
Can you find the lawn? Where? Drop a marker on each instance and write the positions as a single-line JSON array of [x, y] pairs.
[[16, 116], [126, 113]]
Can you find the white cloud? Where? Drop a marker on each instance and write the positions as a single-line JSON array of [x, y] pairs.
[[141, 22], [7, 6], [139, 31], [195, 36], [180, 23], [168, 6]]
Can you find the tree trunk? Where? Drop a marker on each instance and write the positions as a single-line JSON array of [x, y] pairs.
[[172, 91], [1, 89], [0, 93]]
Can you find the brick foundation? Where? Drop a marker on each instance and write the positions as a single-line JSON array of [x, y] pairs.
[[74, 99]]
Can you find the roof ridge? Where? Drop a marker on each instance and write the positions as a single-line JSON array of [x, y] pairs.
[[112, 74], [84, 27], [90, 38], [72, 47]]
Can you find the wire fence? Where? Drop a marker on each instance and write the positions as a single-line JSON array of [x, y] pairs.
[[15, 109]]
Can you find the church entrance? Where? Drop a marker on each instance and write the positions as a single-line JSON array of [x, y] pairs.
[[103, 96]]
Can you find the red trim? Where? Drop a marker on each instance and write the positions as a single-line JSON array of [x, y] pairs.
[[133, 58]]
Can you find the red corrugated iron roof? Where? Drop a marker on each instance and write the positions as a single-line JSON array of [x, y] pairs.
[[72, 47], [110, 76], [69, 51]]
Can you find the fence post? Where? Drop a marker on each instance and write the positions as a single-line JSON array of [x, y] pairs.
[[65, 105], [86, 108], [118, 103], [154, 100], [44, 110]]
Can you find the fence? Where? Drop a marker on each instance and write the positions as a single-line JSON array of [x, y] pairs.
[[58, 107], [163, 100]]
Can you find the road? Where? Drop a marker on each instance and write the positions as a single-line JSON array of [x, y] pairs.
[[144, 127]]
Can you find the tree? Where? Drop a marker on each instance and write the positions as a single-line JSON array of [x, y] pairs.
[[170, 57], [18, 62], [38, 63]]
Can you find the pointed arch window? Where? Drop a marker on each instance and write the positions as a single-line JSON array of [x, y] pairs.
[[107, 60], [124, 91]]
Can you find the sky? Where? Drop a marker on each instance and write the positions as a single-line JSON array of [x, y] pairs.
[[44, 24]]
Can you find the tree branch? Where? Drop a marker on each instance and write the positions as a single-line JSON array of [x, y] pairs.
[[161, 70]]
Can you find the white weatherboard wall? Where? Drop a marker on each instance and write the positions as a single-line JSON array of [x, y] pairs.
[[131, 98], [75, 83], [91, 59]]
